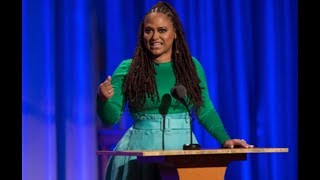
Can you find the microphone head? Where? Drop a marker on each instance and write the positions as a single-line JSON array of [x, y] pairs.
[[165, 104], [179, 92]]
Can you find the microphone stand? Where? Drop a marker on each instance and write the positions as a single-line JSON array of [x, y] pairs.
[[190, 146], [163, 129], [163, 110]]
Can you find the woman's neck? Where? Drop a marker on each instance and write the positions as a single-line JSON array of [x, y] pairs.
[[159, 61]]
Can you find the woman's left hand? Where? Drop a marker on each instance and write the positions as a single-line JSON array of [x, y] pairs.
[[236, 143]]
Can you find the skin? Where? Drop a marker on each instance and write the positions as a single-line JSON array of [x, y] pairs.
[[236, 143], [159, 35], [105, 90]]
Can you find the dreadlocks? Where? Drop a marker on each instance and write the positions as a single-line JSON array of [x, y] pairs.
[[140, 80]]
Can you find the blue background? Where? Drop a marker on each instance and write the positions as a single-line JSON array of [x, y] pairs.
[[248, 49]]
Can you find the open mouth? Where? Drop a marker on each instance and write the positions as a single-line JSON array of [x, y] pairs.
[[155, 45]]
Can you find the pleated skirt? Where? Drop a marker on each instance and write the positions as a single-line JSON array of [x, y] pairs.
[[148, 132]]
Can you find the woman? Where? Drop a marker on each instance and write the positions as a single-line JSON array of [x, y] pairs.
[[161, 61]]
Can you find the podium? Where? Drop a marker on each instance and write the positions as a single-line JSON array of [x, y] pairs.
[[201, 164]]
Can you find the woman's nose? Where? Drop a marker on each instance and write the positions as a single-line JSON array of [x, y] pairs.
[[155, 35]]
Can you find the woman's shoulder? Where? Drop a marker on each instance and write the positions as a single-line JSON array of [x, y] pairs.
[[124, 65], [196, 62], [126, 62]]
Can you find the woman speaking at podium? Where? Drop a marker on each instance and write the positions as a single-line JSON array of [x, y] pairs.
[[160, 85]]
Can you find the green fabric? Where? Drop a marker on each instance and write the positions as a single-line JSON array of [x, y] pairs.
[[110, 111]]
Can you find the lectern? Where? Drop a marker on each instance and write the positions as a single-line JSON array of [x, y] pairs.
[[205, 164]]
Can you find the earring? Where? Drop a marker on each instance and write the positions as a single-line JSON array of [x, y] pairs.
[[176, 44]]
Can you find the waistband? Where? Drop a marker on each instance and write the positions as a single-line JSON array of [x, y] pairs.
[[156, 121]]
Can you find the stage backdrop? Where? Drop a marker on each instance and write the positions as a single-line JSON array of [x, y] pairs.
[[248, 50]]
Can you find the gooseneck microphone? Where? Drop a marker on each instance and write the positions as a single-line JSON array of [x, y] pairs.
[[180, 93], [163, 110]]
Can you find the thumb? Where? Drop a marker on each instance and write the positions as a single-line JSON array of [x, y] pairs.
[[109, 78]]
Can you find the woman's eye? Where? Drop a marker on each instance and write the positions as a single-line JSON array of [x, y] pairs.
[[162, 30], [147, 31]]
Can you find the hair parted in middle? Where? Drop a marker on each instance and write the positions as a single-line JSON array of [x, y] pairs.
[[140, 82]]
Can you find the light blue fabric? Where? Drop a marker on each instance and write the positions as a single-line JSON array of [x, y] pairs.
[[146, 134]]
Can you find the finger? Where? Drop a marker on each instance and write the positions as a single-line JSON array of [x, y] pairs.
[[240, 143], [106, 83], [108, 79], [106, 89], [245, 144], [231, 144], [106, 86], [109, 91], [109, 94]]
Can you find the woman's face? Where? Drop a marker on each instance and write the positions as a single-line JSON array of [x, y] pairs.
[[158, 34]]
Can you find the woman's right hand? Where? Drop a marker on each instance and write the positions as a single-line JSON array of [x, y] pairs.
[[105, 91]]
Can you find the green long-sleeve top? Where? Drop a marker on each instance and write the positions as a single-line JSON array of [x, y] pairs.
[[111, 110]]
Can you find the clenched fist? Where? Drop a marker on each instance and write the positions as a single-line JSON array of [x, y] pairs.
[[105, 90]]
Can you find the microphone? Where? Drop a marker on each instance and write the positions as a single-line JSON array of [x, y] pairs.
[[180, 93], [165, 103], [163, 110]]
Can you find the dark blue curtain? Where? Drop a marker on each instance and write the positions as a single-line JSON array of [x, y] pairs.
[[248, 49]]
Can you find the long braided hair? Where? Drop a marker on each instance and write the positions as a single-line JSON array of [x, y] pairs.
[[140, 80]]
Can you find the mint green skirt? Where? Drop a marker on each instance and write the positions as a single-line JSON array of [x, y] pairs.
[[148, 132]]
